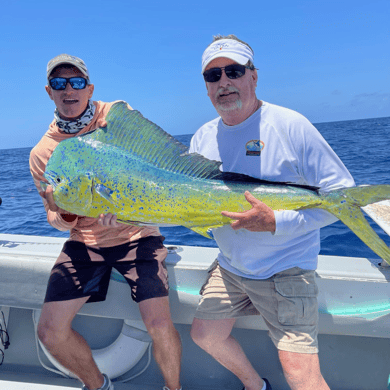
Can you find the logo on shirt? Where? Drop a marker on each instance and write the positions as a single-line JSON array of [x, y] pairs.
[[254, 147]]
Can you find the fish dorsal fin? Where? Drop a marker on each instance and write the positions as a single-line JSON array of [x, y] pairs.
[[130, 131]]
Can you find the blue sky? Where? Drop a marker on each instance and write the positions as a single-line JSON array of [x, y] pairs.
[[329, 60]]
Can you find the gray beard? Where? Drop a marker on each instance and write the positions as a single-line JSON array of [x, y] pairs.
[[237, 105]]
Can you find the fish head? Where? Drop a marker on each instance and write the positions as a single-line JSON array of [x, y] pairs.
[[70, 173], [72, 193]]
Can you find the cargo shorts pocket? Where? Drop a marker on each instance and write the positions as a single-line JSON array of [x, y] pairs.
[[210, 270], [296, 294]]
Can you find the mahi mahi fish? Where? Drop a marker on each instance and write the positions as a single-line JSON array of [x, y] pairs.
[[134, 169]]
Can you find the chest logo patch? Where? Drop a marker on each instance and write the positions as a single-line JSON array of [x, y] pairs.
[[254, 147]]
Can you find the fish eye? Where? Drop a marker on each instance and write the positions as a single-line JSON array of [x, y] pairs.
[[58, 180]]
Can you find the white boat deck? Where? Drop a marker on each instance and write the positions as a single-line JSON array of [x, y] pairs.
[[20, 385], [16, 385]]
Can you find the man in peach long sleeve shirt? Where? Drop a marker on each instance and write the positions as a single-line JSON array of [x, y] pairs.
[[96, 245]]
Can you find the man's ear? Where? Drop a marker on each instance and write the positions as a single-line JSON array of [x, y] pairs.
[[255, 76], [91, 88], [205, 83], [49, 92]]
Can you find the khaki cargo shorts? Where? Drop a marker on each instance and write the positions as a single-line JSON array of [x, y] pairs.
[[287, 302]]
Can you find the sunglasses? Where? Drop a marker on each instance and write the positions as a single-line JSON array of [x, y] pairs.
[[59, 83], [234, 71]]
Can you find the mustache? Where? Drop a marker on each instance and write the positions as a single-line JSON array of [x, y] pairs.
[[223, 91]]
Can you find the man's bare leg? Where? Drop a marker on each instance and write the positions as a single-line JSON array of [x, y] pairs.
[[156, 315], [302, 371], [66, 345], [214, 337]]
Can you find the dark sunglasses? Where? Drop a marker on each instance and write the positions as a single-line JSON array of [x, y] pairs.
[[59, 83], [234, 71]]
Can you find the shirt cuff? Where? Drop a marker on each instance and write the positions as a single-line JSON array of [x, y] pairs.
[[286, 221]]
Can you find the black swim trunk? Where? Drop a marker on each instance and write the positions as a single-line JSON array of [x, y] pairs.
[[82, 271]]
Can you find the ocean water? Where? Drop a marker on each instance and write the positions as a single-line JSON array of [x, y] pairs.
[[363, 146]]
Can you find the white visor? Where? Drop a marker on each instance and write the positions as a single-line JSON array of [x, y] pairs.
[[228, 48]]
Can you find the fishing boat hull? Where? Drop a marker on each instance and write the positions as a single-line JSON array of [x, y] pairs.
[[354, 328]]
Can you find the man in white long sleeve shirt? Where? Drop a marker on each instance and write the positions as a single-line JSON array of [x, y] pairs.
[[267, 258]]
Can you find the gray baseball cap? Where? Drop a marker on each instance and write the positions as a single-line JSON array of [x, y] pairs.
[[67, 59]]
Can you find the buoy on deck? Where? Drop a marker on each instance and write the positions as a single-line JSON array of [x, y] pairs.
[[114, 360]]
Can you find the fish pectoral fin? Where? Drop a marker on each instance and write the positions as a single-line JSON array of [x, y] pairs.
[[106, 193], [204, 231]]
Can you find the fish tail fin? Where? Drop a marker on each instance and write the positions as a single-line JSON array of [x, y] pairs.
[[364, 195], [346, 204]]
